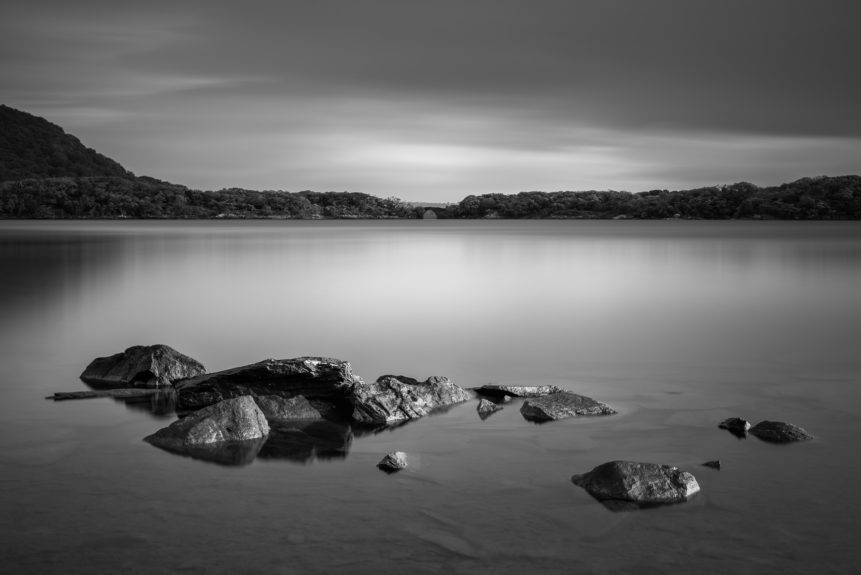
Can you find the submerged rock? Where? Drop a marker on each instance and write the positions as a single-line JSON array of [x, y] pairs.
[[236, 419], [487, 408], [735, 425], [493, 389], [714, 464], [638, 483], [315, 378], [562, 405], [392, 398], [142, 366], [779, 432], [394, 461], [277, 408]]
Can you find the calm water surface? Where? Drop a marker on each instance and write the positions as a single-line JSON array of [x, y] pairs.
[[676, 324]]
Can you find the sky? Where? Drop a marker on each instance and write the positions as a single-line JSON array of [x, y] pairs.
[[434, 100]]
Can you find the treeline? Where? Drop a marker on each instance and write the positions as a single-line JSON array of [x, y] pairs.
[[148, 198], [143, 197], [804, 199]]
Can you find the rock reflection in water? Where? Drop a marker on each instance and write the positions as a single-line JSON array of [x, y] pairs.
[[231, 453], [303, 442]]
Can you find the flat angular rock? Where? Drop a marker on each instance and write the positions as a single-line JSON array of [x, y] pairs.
[[235, 419], [561, 405], [315, 378], [394, 461], [779, 432], [122, 393], [277, 408], [487, 408], [142, 366], [642, 484], [493, 389], [394, 398], [735, 425]]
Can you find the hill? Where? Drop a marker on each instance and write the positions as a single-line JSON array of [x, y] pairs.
[[32, 147]]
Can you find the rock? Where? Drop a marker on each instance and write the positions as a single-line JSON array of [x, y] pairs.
[[394, 461], [277, 408], [715, 464], [493, 389], [561, 405], [642, 484], [779, 432], [235, 419], [398, 398], [315, 378], [142, 366], [735, 425], [487, 408], [89, 394]]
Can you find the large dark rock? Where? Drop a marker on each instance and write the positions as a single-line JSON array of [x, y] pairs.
[[142, 366], [641, 484], [561, 405], [735, 425], [779, 432], [495, 390], [235, 419], [392, 398], [318, 379]]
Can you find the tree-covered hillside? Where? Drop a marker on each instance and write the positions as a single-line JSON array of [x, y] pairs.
[[32, 147]]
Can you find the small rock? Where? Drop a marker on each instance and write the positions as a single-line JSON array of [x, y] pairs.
[[398, 398], [638, 483], [562, 405], [142, 366], [236, 419], [517, 390], [487, 408], [735, 425], [779, 432], [277, 408], [394, 461], [715, 464]]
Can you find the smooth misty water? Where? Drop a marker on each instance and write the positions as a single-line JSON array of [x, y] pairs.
[[676, 324]]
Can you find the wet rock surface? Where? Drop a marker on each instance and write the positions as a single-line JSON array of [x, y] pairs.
[[394, 461], [277, 408], [392, 399], [235, 419], [562, 405], [486, 408], [494, 390], [779, 432], [323, 379], [633, 484], [735, 425], [142, 366]]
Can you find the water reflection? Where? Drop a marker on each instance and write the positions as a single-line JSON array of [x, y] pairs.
[[229, 453]]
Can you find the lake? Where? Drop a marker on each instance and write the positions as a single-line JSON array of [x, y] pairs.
[[678, 325]]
